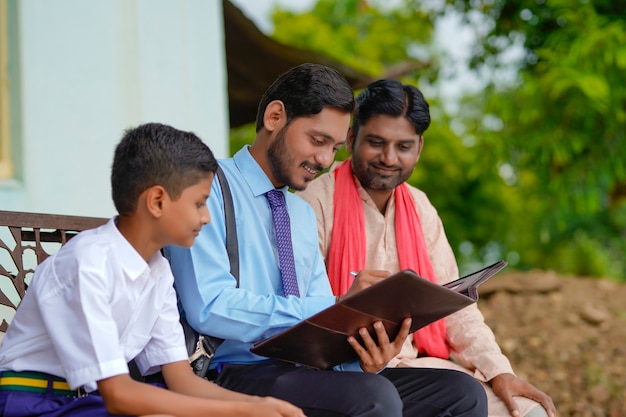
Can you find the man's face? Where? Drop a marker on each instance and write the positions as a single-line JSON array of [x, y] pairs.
[[384, 152], [306, 146]]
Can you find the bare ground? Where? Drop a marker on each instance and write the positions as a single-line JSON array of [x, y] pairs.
[[565, 335]]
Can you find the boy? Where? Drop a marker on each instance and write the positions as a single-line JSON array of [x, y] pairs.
[[107, 297]]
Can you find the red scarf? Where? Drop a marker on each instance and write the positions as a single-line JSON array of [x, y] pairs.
[[347, 250]]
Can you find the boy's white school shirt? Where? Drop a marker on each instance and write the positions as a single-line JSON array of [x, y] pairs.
[[91, 308]]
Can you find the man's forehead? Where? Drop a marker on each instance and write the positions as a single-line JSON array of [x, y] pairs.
[[328, 123], [388, 127]]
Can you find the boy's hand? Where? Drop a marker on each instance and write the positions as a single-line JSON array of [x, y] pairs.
[[374, 357], [273, 407]]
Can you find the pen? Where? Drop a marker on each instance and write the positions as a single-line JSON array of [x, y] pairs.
[[354, 274]]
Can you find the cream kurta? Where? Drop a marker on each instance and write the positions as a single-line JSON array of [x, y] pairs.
[[472, 343]]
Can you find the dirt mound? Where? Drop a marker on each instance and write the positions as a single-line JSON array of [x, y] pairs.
[[565, 335]]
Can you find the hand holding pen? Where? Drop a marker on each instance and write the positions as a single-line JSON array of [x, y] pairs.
[[363, 279]]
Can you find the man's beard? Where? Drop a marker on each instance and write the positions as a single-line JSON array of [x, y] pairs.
[[279, 158], [280, 161], [373, 181]]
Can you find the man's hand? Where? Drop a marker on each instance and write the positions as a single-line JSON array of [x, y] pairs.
[[364, 279], [375, 356], [508, 385]]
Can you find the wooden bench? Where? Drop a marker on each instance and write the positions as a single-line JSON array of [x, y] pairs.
[[26, 239]]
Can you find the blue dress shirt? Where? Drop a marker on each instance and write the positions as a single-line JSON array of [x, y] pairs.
[[257, 309]]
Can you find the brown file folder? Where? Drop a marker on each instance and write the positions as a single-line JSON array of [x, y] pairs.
[[321, 340]]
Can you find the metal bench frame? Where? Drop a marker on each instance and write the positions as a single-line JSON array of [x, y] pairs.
[[30, 232]]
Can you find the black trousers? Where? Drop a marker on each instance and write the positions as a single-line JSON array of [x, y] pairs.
[[394, 392]]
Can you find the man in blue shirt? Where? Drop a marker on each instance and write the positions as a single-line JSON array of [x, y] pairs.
[[303, 120]]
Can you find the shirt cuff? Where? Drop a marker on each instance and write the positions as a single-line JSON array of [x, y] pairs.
[[150, 361], [353, 366]]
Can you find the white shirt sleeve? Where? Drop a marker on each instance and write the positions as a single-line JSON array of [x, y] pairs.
[[168, 342], [76, 308]]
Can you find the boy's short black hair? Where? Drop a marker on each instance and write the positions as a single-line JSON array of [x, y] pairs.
[[157, 154], [305, 90]]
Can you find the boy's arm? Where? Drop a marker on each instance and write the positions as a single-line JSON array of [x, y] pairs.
[[123, 395], [179, 378]]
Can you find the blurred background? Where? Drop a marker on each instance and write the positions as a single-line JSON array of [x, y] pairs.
[[524, 159]]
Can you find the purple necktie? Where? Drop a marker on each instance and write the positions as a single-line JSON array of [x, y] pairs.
[[283, 241]]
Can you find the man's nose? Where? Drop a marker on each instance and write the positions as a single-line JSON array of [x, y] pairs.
[[389, 155], [325, 157]]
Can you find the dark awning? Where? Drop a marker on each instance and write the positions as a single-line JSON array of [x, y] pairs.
[[254, 61]]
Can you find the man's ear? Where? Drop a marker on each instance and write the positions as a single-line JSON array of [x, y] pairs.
[[275, 116], [421, 146], [350, 140], [155, 199]]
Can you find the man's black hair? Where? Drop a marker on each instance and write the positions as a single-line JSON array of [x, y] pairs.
[[392, 98], [305, 90]]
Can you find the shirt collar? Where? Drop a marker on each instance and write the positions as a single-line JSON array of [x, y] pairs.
[[132, 263], [253, 174]]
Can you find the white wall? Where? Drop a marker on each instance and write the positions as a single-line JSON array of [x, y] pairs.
[[91, 69]]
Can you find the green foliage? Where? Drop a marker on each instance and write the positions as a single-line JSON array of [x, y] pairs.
[[536, 20], [532, 172], [354, 32], [241, 136], [563, 126], [473, 200]]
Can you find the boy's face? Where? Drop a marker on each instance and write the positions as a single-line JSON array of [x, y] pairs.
[[385, 152], [306, 146], [184, 217]]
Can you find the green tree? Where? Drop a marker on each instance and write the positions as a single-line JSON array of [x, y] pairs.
[[374, 40], [562, 127]]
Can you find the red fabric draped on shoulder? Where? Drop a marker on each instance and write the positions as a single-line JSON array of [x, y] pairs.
[[347, 243], [413, 254], [347, 250]]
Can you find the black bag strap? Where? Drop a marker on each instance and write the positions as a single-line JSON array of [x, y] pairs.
[[201, 347], [232, 246]]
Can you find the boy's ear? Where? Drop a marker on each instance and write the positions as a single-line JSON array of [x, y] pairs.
[[155, 198], [275, 116]]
